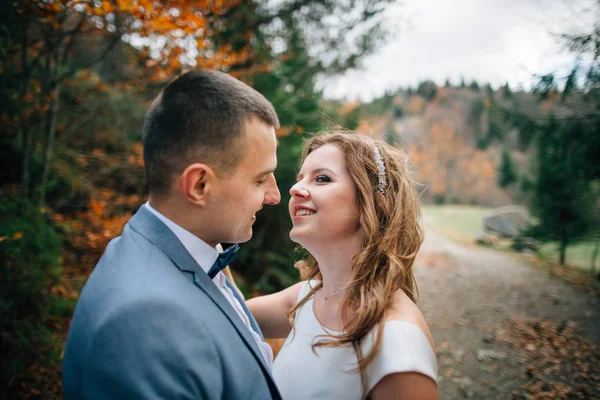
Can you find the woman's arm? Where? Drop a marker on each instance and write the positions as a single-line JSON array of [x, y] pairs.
[[271, 311], [405, 385]]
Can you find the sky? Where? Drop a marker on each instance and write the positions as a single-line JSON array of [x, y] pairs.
[[491, 41]]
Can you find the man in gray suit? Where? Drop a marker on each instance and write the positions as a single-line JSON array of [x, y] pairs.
[[157, 318]]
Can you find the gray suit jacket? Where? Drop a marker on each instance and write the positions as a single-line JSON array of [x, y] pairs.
[[150, 324]]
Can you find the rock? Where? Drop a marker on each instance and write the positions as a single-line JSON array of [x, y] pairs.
[[459, 353], [509, 221], [487, 239], [488, 354], [466, 386]]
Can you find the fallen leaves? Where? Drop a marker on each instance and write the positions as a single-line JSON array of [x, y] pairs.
[[560, 363]]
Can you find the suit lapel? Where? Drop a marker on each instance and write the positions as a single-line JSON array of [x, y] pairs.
[[253, 322], [146, 224]]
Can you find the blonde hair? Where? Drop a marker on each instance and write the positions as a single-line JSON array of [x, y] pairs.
[[392, 236]]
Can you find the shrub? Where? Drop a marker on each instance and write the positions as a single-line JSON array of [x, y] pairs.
[[29, 266]]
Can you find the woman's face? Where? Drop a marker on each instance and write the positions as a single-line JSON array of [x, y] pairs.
[[323, 204]]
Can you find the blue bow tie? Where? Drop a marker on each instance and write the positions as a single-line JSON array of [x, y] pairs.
[[224, 259]]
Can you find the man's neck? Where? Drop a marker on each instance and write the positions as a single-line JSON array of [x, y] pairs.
[[181, 214]]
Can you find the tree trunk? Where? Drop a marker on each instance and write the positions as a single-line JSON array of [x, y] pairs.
[[25, 126], [26, 172], [49, 144], [563, 248], [449, 182], [595, 256]]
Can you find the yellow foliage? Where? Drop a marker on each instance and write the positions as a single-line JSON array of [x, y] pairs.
[[415, 105], [347, 108], [107, 7]]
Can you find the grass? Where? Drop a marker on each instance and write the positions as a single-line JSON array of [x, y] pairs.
[[579, 255], [462, 223], [458, 222]]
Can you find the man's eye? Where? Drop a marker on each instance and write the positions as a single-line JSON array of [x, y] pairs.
[[322, 178]]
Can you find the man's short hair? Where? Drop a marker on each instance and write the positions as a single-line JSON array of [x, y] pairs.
[[200, 117]]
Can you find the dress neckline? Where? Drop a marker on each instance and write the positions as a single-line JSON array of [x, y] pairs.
[[315, 320]]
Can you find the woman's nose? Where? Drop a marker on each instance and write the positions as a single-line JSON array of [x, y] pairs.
[[299, 191]]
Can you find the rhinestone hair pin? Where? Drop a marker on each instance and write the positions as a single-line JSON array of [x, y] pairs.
[[382, 185]]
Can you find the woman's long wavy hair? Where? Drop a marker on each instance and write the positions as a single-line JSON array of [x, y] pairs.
[[392, 235]]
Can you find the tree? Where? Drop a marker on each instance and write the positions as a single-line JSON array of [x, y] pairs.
[[42, 40], [494, 130], [476, 110], [449, 167], [427, 89], [507, 174], [506, 92], [563, 200], [268, 259], [352, 119], [568, 174]]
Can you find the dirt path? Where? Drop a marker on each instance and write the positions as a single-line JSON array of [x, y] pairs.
[[467, 294]]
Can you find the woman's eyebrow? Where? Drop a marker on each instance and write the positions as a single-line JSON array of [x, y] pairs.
[[316, 171]]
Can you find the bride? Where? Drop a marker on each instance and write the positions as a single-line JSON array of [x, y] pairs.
[[353, 329]]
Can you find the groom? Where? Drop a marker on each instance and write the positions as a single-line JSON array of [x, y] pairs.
[[157, 319]]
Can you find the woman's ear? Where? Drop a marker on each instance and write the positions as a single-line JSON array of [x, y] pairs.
[[196, 181]]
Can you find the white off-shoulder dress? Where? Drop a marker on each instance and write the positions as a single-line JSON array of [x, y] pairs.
[[329, 374]]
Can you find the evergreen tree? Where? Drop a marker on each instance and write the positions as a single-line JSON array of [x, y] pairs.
[[494, 131], [352, 120], [563, 199], [427, 89], [506, 92], [398, 112], [268, 259], [507, 172], [475, 114]]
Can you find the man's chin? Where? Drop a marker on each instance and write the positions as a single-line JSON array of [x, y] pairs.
[[243, 238]]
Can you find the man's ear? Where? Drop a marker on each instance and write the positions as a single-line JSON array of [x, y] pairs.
[[196, 181]]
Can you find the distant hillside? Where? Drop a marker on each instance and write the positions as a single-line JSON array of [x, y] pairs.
[[459, 138]]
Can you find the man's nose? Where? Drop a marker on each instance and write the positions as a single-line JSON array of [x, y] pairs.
[[272, 196]]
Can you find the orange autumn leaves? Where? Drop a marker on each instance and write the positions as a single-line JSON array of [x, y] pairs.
[[449, 166], [16, 236], [171, 35]]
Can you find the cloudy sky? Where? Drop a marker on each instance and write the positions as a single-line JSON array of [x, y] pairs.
[[491, 41]]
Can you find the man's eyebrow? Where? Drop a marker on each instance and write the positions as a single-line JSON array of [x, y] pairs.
[[267, 171], [316, 171]]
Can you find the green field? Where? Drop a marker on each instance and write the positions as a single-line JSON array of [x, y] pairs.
[[462, 223], [579, 255], [458, 222]]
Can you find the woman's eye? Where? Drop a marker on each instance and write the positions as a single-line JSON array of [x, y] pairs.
[[322, 178]]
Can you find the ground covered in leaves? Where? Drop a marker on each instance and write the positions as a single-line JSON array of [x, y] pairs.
[[506, 327]]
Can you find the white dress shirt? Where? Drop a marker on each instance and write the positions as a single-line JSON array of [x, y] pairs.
[[206, 256]]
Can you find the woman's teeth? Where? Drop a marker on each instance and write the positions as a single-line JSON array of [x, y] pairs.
[[304, 212]]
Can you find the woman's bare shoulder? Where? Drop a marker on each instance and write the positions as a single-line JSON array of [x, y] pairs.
[[404, 309]]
